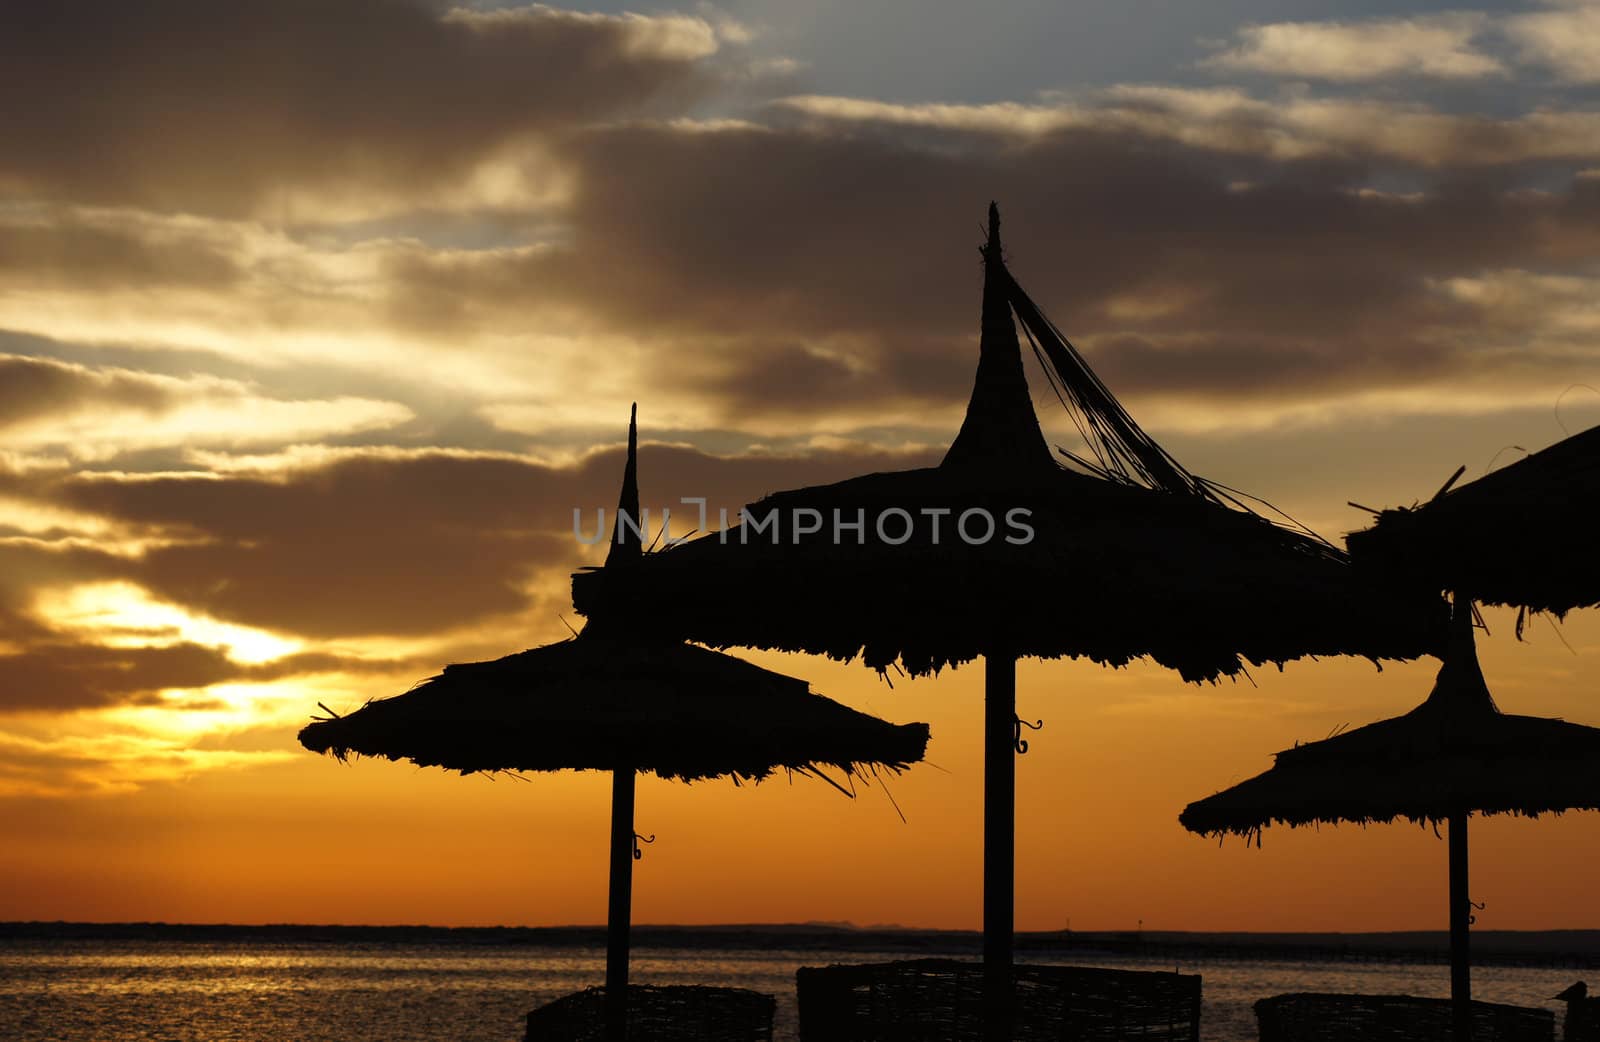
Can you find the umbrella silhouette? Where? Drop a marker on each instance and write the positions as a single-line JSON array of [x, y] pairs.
[[1004, 550], [619, 699], [1454, 755]]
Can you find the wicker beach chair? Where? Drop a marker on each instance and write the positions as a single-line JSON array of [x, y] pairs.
[[679, 1013], [939, 1000], [1315, 1017], [1582, 1022]]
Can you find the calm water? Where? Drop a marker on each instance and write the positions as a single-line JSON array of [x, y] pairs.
[[255, 991]]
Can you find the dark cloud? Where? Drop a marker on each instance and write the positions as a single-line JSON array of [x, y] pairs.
[[63, 675], [380, 544], [792, 378], [1223, 367], [45, 668], [835, 233], [33, 387], [811, 263], [201, 106], [29, 564], [59, 248], [755, 261]]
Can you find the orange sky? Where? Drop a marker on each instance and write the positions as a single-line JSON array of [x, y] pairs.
[[300, 387], [1098, 844]]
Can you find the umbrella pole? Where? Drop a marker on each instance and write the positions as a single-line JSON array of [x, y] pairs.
[[620, 913], [1460, 920], [999, 842]]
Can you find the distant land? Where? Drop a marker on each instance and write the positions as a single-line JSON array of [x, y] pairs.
[[1580, 948]]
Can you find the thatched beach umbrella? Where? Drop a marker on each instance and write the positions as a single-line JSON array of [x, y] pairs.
[[1521, 536], [1004, 551], [620, 699], [1454, 755]]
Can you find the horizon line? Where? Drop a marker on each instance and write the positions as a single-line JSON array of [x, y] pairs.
[[820, 926]]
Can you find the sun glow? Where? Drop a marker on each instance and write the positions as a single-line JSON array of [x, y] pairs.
[[123, 615], [185, 717], [112, 762]]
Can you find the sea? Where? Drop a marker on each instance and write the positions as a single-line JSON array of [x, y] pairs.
[[145, 983]]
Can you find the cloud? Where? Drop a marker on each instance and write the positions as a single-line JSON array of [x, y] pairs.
[[235, 108], [77, 633], [45, 248], [32, 388], [1515, 306], [1436, 46], [1208, 366], [103, 764], [94, 413], [669, 36], [872, 290], [1564, 39], [813, 274], [29, 565], [834, 246], [817, 276], [64, 676], [1290, 129], [1002, 117]]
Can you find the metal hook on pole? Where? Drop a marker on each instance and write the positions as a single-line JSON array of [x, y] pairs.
[[1016, 733], [1477, 905], [638, 854]]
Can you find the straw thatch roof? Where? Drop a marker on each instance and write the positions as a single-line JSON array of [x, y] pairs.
[[594, 703], [1129, 554], [1113, 572], [1455, 752], [1519, 536]]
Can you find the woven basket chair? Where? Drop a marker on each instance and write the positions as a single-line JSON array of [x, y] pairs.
[[679, 1013], [1314, 1017], [937, 1000]]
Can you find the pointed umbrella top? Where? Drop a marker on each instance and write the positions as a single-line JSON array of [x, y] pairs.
[[1000, 429], [627, 542], [1460, 692]]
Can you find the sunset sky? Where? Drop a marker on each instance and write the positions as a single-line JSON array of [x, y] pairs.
[[317, 321]]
